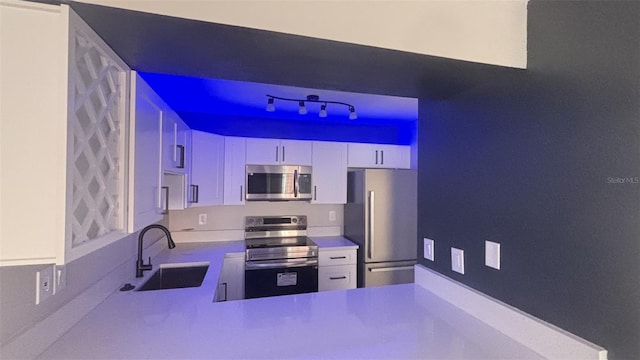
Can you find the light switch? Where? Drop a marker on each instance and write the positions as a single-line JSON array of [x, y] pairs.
[[492, 254], [202, 219], [457, 260], [428, 249]]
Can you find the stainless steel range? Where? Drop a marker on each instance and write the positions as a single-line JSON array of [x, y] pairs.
[[279, 258]]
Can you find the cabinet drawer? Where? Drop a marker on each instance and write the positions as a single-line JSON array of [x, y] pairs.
[[336, 277], [331, 257]]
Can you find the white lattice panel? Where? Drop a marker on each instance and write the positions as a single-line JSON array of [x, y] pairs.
[[95, 127]]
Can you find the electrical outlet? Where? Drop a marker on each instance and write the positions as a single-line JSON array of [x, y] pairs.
[[60, 279], [492, 254], [202, 219], [428, 249], [332, 216], [44, 284], [457, 260]]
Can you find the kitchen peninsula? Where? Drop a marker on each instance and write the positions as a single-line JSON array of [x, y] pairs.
[[400, 321]]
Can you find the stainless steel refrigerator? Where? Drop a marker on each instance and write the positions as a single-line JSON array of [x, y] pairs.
[[380, 216]]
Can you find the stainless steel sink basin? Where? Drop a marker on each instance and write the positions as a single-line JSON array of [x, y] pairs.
[[175, 277]]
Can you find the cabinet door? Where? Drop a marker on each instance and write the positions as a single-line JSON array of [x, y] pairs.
[[263, 151], [207, 169], [339, 277], [275, 151], [379, 156], [362, 155], [33, 133], [329, 173], [234, 170], [231, 281], [146, 122], [295, 152], [394, 156]]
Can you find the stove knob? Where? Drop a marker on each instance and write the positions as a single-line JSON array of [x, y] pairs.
[[302, 220], [250, 221], [294, 220]]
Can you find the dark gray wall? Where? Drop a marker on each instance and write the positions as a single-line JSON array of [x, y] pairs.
[[547, 163]]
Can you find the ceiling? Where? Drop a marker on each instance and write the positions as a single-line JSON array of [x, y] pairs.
[[240, 98], [216, 76]]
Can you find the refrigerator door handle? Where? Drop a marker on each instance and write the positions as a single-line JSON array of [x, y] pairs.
[[387, 269], [372, 204]]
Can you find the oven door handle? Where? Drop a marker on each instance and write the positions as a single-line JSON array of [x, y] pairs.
[[295, 183], [280, 263]]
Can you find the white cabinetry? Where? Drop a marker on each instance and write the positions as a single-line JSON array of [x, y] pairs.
[[146, 206], [64, 129], [174, 142], [329, 176], [231, 280], [379, 156], [234, 170], [337, 268], [207, 169], [275, 151]]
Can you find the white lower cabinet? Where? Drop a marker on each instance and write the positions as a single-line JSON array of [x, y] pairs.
[[337, 268], [231, 280]]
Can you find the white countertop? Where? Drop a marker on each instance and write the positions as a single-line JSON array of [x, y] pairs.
[[400, 322], [333, 242]]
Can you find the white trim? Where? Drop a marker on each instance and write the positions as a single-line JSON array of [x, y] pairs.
[[31, 5], [545, 339]]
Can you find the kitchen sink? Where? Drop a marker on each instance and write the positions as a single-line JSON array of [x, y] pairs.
[[175, 277]]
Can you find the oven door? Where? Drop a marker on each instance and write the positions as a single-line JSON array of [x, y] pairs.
[[278, 182], [280, 277]]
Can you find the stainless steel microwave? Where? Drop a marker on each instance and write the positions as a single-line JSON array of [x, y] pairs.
[[278, 182]]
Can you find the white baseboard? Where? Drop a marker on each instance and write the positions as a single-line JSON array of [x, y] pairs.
[[545, 339]]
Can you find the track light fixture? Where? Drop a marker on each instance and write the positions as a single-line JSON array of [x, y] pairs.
[[302, 110]]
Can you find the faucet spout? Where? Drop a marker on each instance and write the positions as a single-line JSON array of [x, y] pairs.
[[141, 267]]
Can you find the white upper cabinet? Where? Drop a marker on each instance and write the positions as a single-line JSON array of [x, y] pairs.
[[379, 156], [329, 173], [278, 152], [207, 169], [234, 170], [65, 125], [174, 142], [146, 202]]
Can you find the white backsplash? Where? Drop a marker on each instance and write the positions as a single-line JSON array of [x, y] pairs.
[[226, 222]]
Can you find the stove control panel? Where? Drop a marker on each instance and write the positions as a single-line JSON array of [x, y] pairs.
[[275, 221]]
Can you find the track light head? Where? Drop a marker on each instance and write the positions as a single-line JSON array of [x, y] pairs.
[[352, 113], [270, 106], [323, 111], [302, 110]]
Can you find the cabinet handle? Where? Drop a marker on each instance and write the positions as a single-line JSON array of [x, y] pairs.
[[283, 154], [195, 193], [241, 192], [181, 162], [315, 192], [372, 240], [277, 153], [225, 292], [376, 157], [381, 157], [387, 269], [337, 278], [337, 257], [166, 200], [295, 183]]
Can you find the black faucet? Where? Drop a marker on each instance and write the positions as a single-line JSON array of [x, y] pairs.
[[141, 267]]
